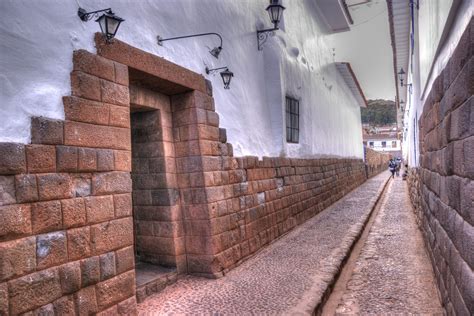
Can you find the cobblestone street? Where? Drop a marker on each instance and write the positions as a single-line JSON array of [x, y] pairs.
[[393, 274], [289, 276]]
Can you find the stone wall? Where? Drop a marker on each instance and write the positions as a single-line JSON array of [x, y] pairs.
[[254, 202], [375, 161], [66, 229], [446, 187]]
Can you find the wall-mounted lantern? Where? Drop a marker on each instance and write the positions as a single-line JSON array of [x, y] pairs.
[[214, 52], [275, 11], [401, 74], [108, 21], [226, 75]]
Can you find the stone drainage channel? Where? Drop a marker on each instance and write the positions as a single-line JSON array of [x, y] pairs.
[[387, 269]]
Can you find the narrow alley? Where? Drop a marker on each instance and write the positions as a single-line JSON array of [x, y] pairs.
[[392, 272], [295, 274], [250, 157]]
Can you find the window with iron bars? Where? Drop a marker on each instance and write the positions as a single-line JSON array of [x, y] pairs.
[[292, 120]]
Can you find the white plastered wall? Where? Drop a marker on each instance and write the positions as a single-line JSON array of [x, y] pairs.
[[37, 40]]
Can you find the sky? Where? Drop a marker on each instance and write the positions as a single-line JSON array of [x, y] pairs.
[[367, 47]]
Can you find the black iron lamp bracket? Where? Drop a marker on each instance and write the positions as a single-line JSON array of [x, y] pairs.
[[214, 52], [211, 71], [262, 36], [87, 16]]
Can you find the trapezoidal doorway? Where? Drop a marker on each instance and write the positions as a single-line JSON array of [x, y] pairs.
[[159, 234]]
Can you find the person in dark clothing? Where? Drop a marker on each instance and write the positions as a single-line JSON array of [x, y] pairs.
[[392, 166]]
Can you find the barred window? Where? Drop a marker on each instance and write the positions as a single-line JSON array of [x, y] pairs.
[[292, 120]]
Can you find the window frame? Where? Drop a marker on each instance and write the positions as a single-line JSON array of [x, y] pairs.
[[292, 119]]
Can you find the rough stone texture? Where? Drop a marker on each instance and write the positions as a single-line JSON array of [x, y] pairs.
[[60, 240], [200, 209], [34, 290], [442, 188], [7, 190], [375, 162], [289, 277], [393, 274], [16, 221], [17, 258], [46, 131], [12, 158]]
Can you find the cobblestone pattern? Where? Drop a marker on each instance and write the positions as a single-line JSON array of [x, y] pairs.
[[289, 277], [446, 177], [376, 162], [393, 274]]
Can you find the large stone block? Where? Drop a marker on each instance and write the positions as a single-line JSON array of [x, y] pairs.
[[94, 65], [46, 131], [41, 158], [123, 205], [64, 306], [74, 212], [124, 259], [121, 74], [87, 160], [122, 160], [119, 116], [51, 249], [78, 243], [112, 235], [70, 276], [105, 160], [111, 183], [116, 289], [55, 186], [46, 216], [107, 266], [34, 290], [7, 190], [99, 208], [87, 111], [16, 221], [114, 93], [85, 86], [90, 271], [86, 301], [85, 135], [12, 158], [26, 188], [17, 257]]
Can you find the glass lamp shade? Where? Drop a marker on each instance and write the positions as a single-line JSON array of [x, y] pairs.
[[109, 24], [275, 12], [401, 73], [227, 77], [216, 51]]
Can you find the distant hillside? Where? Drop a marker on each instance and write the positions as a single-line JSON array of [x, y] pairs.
[[379, 112]]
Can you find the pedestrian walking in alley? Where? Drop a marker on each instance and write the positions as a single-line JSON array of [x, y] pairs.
[[398, 163], [392, 166]]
